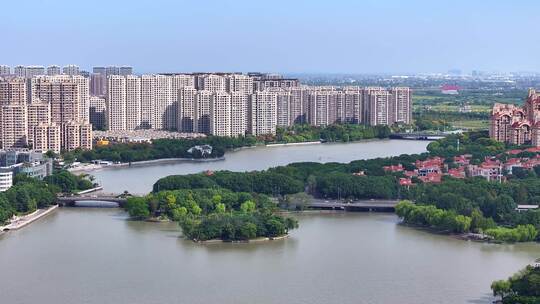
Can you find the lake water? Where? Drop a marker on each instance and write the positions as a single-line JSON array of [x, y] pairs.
[[140, 179], [97, 256]]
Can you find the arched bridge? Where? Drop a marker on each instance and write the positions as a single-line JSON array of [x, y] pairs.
[[419, 135], [360, 205], [71, 200]]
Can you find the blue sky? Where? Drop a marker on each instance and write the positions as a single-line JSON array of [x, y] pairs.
[[295, 36]]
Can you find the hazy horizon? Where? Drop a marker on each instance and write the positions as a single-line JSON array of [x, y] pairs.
[[300, 37]]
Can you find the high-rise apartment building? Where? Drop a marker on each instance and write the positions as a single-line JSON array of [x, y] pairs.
[[186, 109], [98, 84], [99, 70], [220, 114], [71, 70], [401, 106], [98, 112], [352, 105], [165, 103], [53, 70], [148, 88], [262, 81], [377, 103], [19, 71], [64, 93], [203, 100], [183, 81], [116, 102], [5, 70], [387, 107], [112, 70], [239, 113], [262, 110], [34, 70], [239, 83], [38, 113], [76, 135], [126, 70], [133, 102], [283, 108], [83, 86], [13, 126], [298, 106], [212, 83], [86, 138], [13, 90], [323, 107], [39, 134]]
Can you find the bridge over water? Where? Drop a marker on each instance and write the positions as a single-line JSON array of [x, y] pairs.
[[86, 198], [419, 135], [320, 204], [359, 205]]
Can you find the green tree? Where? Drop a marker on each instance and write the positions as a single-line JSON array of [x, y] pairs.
[[137, 208], [247, 207], [501, 288], [220, 208], [248, 231]]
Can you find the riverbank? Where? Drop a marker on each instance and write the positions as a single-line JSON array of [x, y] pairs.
[[466, 236], [19, 222], [294, 144], [86, 168], [255, 240]]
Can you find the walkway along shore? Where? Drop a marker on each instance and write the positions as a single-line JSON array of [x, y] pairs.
[[19, 222], [93, 167]]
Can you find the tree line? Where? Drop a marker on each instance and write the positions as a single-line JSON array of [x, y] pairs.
[[178, 148], [28, 194], [453, 222], [491, 203], [206, 213], [522, 288]]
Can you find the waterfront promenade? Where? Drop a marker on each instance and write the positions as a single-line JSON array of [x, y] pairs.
[[19, 222]]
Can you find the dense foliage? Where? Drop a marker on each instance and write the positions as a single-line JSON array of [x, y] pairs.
[[68, 182], [178, 148], [27, 194], [206, 214], [486, 204], [332, 133], [331, 181], [521, 288], [160, 148], [476, 143], [440, 219], [266, 182]]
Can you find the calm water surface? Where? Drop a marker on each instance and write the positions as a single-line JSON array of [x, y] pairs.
[[97, 256], [141, 179]]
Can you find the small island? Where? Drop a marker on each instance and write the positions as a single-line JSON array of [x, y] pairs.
[[208, 214], [522, 288]]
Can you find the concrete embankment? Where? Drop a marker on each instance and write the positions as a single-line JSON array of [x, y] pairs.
[[93, 167], [295, 144], [90, 190], [19, 222]]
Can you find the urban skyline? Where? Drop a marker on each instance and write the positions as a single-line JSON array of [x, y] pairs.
[[46, 110]]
